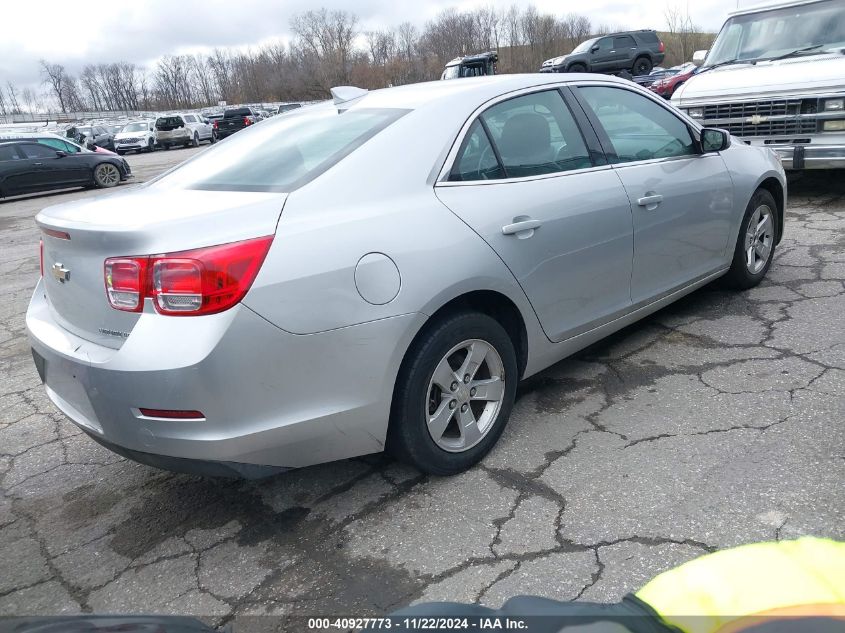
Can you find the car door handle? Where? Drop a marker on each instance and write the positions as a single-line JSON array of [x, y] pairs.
[[651, 200], [520, 226], [38, 164]]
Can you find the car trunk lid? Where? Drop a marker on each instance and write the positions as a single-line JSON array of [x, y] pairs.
[[78, 237]]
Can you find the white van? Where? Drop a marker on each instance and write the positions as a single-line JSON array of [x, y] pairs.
[[775, 76]]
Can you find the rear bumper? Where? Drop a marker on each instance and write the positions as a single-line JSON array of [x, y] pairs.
[[269, 397], [810, 156]]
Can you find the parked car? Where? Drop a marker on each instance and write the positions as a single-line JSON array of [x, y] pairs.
[[183, 129], [30, 166], [96, 136], [634, 51], [667, 85], [658, 72], [471, 66], [775, 77], [287, 107], [136, 136], [235, 120], [270, 310]]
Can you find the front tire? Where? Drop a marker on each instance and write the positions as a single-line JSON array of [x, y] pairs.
[[454, 394], [577, 68], [755, 244], [106, 175], [196, 141], [150, 145]]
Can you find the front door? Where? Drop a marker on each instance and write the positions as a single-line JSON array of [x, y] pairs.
[[525, 182], [682, 200]]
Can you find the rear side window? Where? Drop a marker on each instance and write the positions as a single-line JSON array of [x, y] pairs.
[[190, 118], [536, 134], [284, 153], [8, 152], [477, 160], [624, 41], [36, 150], [638, 128]]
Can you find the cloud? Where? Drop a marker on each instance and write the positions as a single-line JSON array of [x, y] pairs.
[[79, 32]]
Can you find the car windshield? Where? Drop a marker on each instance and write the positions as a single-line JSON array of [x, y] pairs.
[[284, 153], [84, 130], [778, 32], [451, 72], [585, 46], [135, 127]]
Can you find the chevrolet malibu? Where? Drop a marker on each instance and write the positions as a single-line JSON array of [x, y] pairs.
[[379, 271]]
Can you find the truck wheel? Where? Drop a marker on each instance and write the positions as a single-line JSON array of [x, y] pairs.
[[755, 244], [577, 68], [454, 394], [196, 141], [642, 66], [213, 137]]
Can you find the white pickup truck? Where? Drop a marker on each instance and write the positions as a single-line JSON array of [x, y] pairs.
[[775, 77]]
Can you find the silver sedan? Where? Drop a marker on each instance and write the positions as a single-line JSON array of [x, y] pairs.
[[379, 271]]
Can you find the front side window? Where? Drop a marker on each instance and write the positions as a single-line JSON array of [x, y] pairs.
[[190, 119], [55, 143], [536, 134], [283, 153], [605, 44], [638, 128]]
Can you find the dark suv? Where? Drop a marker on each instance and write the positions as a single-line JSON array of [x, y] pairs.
[[634, 51]]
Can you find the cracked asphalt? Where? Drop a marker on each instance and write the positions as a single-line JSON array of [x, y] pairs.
[[715, 422]]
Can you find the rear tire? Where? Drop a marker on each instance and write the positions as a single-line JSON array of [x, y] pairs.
[[443, 423], [642, 66], [755, 244]]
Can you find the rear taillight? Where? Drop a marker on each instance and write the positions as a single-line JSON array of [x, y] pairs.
[[246, 120], [661, 48], [215, 125], [188, 283], [126, 282]]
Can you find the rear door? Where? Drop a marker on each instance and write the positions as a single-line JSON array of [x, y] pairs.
[[625, 51], [528, 179], [11, 168], [681, 199]]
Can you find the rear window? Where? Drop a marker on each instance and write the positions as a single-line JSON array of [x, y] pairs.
[[168, 122], [282, 154], [236, 112]]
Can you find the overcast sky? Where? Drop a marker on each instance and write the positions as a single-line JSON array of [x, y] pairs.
[[77, 32]]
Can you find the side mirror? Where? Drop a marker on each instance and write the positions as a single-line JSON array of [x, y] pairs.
[[698, 57], [714, 140], [60, 153], [594, 49]]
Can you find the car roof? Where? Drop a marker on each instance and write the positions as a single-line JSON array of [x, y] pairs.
[[472, 89], [767, 6]]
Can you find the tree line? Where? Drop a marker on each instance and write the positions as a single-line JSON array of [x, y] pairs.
[[328, 48]]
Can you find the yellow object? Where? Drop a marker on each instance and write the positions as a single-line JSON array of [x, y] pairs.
[[788, 578]]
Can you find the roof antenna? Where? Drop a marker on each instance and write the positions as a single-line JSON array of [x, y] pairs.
[[343, 94]]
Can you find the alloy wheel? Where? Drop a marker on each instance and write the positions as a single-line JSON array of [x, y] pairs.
[[465, 395], [107, 175], [759, 237]]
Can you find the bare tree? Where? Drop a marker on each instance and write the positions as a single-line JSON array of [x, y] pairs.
[[14, 106], [56, 77]]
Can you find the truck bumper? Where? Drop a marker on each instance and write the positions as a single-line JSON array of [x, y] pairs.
[[810, 156]]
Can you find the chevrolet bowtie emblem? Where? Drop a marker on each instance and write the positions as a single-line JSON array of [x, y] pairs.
[[757, 119], [60, 272]]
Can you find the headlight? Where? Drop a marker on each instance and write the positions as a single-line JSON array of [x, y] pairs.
[[834, 105], [696, 113], [834, 126]]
